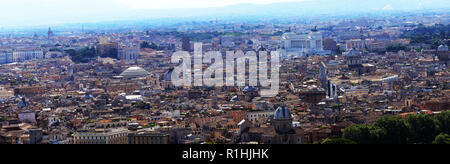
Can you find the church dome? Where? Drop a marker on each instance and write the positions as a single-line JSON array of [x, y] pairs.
[[134, 72], [249, 89], [168, 75], [282, 113], [353, 52], [443, 48]]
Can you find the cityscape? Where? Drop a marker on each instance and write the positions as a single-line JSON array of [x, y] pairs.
[[301, 72]]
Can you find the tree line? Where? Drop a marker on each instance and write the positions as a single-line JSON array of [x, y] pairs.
[[86, 54], [414, 129], [433, 35]]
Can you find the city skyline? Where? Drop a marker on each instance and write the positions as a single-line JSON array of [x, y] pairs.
[[235, 73]]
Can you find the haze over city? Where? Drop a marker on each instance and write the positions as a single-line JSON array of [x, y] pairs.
[[49, 12]]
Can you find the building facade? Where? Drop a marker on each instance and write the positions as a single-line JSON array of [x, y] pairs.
[[24, 54], [148, 137], [101, 136], [27, 116], [6, 56], [128, 53], [258, 116], [294, 45]]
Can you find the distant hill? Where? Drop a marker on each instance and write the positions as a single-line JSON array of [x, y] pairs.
[[55, 12], [306, 8]]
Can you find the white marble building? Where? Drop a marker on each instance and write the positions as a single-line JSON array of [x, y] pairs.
[[294, 45], [128, 52]]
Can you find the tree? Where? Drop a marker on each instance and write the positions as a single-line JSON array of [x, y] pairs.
[[110, 53], [358, 133], [415, 129], [391, 130], [338, 141], [145, 45], [55, 49], [442, 121], [211, 143], [83, 55], [154, 46], [442, 139], [396, 47], [421, 129], [429, 35]]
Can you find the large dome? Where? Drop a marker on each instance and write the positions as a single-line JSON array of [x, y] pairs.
[[283, 113], [134, 72]]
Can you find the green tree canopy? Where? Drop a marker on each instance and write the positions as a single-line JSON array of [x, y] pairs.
[[422, 129], [442, 121], [415, 129], [83, 55], [393, 130], [442, 139], [429, 34], [154, 46], [359, 133], [338, 141]]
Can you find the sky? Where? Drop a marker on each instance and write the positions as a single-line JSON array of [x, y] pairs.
[[47, 12], [34, 12], [165, 4]]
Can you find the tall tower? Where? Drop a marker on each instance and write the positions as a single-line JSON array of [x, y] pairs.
[[49, 34], [186, 44], [443, 54], [361, 32], [323, 75]]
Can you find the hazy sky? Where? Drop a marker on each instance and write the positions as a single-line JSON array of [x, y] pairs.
[[46, 12], [31, 12], [153, 4]]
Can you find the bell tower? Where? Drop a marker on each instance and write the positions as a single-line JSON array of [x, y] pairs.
[[49, 35]]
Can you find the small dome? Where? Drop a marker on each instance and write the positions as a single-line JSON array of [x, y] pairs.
[[22, 103], [283, 113], [443, 48], [249, 89], [134, 72], [234, 99], [168, 75], [88, 96]]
